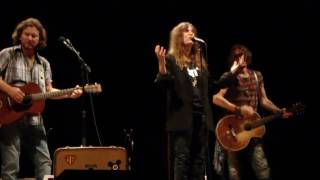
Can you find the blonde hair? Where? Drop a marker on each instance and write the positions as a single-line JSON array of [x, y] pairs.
[[177, 47]]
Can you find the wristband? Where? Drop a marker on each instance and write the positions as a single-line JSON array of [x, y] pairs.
[[238, 111]]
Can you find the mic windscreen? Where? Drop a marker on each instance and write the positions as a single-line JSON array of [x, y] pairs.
[[61, 38], [196, 39]]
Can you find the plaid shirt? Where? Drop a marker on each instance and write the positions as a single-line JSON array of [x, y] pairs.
[[247, 91], [15, 71]]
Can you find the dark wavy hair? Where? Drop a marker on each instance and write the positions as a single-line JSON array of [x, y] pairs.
[[236, 51], [30, 22]]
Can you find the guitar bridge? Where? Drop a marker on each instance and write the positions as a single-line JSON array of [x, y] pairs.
[[233, 133]]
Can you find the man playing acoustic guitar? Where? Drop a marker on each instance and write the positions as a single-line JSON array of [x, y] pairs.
[[242, 100], [20, 65]]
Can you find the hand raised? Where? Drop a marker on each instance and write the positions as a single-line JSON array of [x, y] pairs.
[[161, 56]]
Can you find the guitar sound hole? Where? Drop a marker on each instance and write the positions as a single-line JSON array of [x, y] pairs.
[[26, 104], [27, 101]]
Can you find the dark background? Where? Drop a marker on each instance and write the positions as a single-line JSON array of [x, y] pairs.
[[117, 41]]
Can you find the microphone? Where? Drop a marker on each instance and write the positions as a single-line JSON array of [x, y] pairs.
[[64, 40], [67, 43], [196, 39]]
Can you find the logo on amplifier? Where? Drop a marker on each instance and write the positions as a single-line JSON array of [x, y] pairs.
[[70, 159]]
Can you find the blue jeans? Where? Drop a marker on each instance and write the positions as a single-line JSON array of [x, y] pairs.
[[256, 156], [33, 138]]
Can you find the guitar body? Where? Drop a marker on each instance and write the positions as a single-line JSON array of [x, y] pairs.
[[232, 133], [10, 111]]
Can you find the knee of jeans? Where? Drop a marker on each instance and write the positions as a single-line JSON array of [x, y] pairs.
[[233, 173], [10, 165], [49, 162], [264, 174], [182, 157]]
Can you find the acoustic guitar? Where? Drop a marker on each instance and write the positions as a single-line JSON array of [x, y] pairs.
[[33, 103], [235, 132]]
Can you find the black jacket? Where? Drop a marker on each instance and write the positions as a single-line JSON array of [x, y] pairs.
[[180, 95]]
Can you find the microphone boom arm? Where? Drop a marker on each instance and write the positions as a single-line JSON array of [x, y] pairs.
[[69, 45]]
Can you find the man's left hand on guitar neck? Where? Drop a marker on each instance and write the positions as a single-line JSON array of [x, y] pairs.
[[76, 93], [285, 114]]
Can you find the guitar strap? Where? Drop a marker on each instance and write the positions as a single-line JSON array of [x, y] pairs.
[[257, 81], [42, 80]]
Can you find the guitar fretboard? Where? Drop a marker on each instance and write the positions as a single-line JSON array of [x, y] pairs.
[[264, 120], [42, 96]]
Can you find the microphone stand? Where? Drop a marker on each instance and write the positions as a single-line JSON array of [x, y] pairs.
[[85, 70], [206, 130], [129, 144]]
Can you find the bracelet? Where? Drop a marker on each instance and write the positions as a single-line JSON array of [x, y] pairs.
[[238, 111], [275, 111]]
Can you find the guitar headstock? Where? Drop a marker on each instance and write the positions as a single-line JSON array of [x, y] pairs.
[[297, 108], [93, 88]]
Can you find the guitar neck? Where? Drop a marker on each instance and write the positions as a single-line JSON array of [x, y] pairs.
[[46, 95], [265, 120]]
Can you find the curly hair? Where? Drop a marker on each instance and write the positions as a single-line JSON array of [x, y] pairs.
[[30, 22]]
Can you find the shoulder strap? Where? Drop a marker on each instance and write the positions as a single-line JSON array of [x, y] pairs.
[[257, 81], [256, 77]]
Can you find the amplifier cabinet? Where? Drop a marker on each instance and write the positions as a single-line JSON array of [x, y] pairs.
[[111, 158]]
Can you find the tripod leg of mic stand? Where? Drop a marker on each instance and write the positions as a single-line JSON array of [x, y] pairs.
[[205, 173], [207, 164], [169, 161]]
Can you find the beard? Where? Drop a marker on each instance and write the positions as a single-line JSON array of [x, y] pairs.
[[29, 46]]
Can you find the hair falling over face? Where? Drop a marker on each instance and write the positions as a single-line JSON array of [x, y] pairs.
[[196, 56], [237, 51]]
